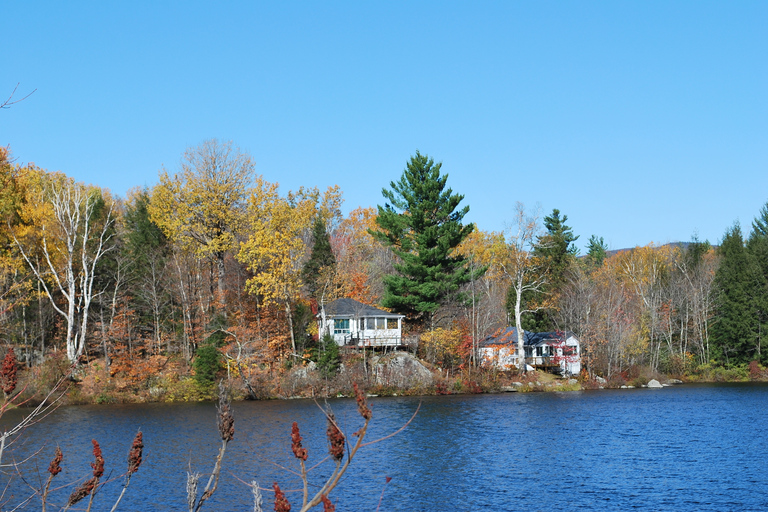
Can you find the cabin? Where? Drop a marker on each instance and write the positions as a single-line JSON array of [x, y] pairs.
[[352, 323], [557, 352]]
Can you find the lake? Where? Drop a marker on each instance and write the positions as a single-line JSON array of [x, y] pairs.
[[689, 447]]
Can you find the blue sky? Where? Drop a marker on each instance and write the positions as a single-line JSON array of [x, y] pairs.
[[642, 121]]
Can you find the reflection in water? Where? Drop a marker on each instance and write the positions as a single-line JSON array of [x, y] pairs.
[[687, 448]]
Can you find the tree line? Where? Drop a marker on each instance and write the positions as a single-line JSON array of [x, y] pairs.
[[214, 255]]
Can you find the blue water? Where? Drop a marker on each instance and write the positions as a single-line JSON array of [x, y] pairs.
[[701, 447]]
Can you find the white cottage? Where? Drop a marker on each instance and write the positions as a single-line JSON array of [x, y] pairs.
[[353, 323], [557, 351]]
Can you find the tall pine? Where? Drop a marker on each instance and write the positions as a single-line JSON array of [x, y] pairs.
[[422, 223], [316, 272], [735, 329], [757, 249]]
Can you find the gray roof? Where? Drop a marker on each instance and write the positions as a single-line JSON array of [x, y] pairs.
[[509, 336], [353, 308]]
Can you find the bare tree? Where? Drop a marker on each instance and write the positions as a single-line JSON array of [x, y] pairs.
[[521, 268], [10, 101]]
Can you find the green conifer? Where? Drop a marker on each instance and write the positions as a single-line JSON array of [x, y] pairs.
[[422, 223]]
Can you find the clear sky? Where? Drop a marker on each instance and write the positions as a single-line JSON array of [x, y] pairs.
[[642, 121]]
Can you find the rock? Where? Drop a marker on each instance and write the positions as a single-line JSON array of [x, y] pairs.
[[653, 383], [674, 381], [303, 372], [403, 370], [571, 382], [508, 389], [601, 380], [517, 384]]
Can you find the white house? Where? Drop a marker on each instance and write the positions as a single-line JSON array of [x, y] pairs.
[[558, 351], [353, 323]]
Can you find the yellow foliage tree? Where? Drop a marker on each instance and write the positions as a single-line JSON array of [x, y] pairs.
[[65, 230], [203, 206], [486, 292], [13, 286], [441, 346], [275, 246]]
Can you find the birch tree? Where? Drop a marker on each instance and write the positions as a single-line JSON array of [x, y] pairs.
[[69, 232], [525, 272]]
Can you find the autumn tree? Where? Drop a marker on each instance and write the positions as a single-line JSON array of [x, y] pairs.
[[696, 267], [487, 289], [203, 206], [362, 261], [12, 285], [65, 232], [275, 247], [422, 223]]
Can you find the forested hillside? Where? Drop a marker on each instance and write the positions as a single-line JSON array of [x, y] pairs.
[[215, 270]]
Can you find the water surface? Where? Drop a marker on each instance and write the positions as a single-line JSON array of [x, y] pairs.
[[687, 447]]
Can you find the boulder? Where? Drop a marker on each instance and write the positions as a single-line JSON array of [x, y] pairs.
[[674, 381], [653, 383], [401, 370]]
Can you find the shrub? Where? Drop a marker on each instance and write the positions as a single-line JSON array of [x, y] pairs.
[[328, 359], [756, 372], [206, 365]]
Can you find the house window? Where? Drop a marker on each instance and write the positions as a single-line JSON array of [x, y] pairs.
[[379, 323], [341, 326]]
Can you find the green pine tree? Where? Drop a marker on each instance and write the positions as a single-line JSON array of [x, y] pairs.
[[321, 259], [596, 251], [328, 359], [734, 328], [422, 223], [757, 250]]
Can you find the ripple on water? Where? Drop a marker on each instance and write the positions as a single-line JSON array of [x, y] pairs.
[[681, 448]]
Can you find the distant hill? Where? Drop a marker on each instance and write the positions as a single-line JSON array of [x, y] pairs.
[[681, 245]]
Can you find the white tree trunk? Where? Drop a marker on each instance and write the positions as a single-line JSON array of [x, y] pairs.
[[73, 272]]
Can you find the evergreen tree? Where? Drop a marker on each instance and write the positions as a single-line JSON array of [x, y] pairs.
[[147, 248], [757, 250], [321, 259], [143, 236], [596, 251], [735, 326], [555, 248], [422, 224], [328, 358]]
